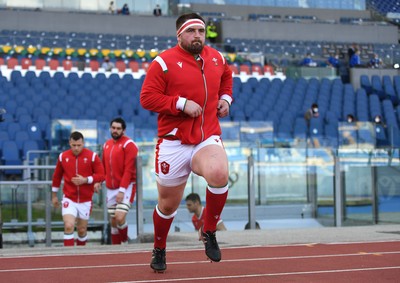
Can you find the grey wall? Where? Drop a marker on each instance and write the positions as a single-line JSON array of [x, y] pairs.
[[149, 25], [244, 11], [311, 32], [355, 74], [86, 22]]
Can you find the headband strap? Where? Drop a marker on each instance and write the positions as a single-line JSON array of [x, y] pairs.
[[188, 24]]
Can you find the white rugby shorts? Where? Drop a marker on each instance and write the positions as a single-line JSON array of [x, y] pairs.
[[78, 210], [112, 196], [173, 159]]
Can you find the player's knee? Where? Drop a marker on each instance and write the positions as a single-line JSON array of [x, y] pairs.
[[165, 209], [218, 178], [121, 211], [82, 230], [69, 227], [120, 218]]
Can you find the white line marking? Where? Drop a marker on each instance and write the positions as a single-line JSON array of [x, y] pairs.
[[112, 252], [191, 279], [195, 262]]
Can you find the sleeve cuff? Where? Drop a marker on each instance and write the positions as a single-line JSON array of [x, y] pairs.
[[89, 179], [122, 190], [227, 98], [54, 189], [180, 104]]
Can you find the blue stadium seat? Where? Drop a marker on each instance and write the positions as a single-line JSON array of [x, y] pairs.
[[20, 138], [11, 156], [389, 89], [24, 120], [377, 87], [3, 137], [365, 83], [29, 147]]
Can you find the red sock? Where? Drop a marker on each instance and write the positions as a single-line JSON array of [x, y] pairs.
[[115, 238], [81, 241], [123, 232], [215, 202], [68, 240], [162, 224]]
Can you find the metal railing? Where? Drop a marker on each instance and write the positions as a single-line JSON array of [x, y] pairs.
[[48, 223], [344, 181]]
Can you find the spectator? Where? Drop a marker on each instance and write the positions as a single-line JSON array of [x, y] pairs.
[[193, 204], [81, 169], [350, 118], [333, 61], [119, 161], [349, 131], [212, 33], [107, 64], [351, 51], [111, 8], [380, 132], [355, 60], [375, 61], [124, 10], [308, 61], [157, 11], [311, 113]]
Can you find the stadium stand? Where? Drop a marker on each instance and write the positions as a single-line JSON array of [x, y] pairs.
[[46, 76]]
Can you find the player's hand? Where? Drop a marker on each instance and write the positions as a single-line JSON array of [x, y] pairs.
[[79, 180], [223, 108], [120, 197], [55, 201], [192, 109], [97, 187]]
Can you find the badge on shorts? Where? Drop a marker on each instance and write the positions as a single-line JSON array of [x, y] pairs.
[[66, 204], [164, 167]]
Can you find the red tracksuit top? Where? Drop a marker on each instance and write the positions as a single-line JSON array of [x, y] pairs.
[[87, 164], [176, 73], [119, 160]]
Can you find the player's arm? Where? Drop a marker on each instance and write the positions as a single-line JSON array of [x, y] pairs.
[[131, 152]]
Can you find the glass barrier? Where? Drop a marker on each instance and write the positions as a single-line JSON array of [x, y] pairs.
[[305, 176]]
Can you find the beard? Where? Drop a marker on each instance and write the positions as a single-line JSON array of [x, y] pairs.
[[115, 136], [194, 47]]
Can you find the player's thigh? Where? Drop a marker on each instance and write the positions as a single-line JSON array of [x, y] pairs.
[[81, 225], [211, 162], [69, 222], [169, 198]]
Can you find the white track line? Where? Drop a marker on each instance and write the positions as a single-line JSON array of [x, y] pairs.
[[192, 279], [196, 262], [90, 252]]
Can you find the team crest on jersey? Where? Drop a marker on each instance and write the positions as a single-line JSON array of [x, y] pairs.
[[67, 159], [164, 167], [66, 204], [85, 160], [215, 60]]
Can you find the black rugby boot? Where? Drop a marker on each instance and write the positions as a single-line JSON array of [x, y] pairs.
[[158, 262]]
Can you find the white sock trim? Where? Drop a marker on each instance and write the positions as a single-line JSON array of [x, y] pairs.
[[218, 191], [68, 236], [123, 225], [83, 239], [165, 216]]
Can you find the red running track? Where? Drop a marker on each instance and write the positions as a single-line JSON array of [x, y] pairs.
[[338, 262]]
